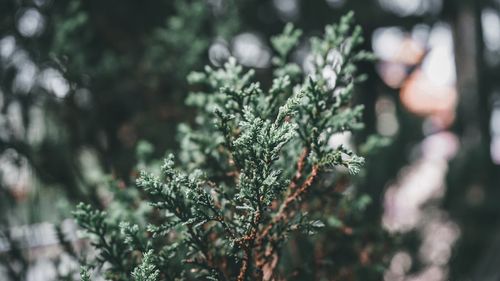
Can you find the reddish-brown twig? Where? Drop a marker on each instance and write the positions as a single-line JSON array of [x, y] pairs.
[[262, 258], [244, 265], [300, 167], [282, 213], [247, 243]]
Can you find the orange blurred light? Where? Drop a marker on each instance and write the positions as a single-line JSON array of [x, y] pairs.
[[422, 96]]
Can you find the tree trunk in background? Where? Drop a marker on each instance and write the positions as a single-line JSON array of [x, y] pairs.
[[472, 193]]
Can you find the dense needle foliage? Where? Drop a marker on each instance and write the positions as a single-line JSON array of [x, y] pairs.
[[255, 180]]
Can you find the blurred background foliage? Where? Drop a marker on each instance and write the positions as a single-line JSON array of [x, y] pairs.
[[83, 84]]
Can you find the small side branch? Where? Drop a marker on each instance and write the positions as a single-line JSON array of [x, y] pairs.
[[300, 167], [282, 213]]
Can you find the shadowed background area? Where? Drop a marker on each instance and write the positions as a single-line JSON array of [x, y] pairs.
[[88, 87]]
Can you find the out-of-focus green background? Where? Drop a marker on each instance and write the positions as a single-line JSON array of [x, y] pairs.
[[83, 83]]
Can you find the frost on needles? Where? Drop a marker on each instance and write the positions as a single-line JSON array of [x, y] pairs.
[[225, 206]]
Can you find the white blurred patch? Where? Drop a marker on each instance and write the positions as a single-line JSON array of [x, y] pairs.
[[25, 78], [218, 53], [26, 70], [2, 99], [387, 122], [386, 42], [287, 9], [490, 20], [495, 132], [7, 46], [400, 264], [439, 64], [30, 23], [438, 237], [40, 3], [53, 81], [402, 7], [339, 139], [89, 163], [335, 60], [495, 150], [251, 51], [495, 120], [405, 8], [419, 182], [330, 77], [420, 33], [15, 172], [431, 273], [408, 206]]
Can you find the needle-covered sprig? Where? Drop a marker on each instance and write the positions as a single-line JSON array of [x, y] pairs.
[[225, 208]]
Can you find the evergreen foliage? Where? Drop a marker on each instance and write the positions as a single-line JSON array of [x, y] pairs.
[[254, 173]]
